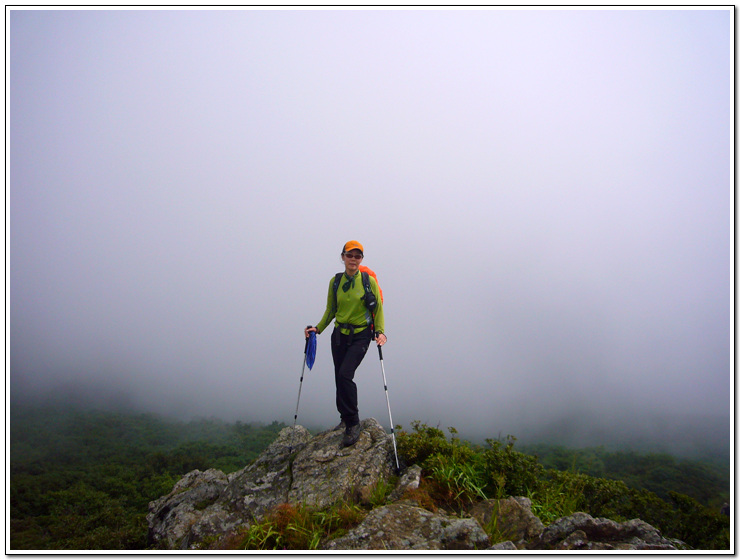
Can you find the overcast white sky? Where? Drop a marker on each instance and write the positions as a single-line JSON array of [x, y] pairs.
[[545, 196]]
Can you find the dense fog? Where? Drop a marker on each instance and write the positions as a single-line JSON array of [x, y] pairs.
[[545, 196]]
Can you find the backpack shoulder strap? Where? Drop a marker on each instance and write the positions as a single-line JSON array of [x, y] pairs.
[[369, 296], [337, 279], [366, 281]]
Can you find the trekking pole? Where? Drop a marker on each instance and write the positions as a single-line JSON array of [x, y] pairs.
[[388, 402], [300, 386]]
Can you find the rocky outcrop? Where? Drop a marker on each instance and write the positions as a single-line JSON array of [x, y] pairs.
[[324, 472], [172, 516], [407, 527], [295, 468], [206, 509], [580, 531]]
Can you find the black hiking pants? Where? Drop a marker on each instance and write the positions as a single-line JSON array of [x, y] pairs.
[[348, 352]]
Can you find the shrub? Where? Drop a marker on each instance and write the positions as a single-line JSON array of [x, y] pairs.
[[552, 501], [425, 442], [509, 472], [697, 525]]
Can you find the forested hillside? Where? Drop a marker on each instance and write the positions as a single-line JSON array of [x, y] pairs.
[[707, 481], [82, 478]]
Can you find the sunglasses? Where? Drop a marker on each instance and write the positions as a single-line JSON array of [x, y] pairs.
[[353, 255]]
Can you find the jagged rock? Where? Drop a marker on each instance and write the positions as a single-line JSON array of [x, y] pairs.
[[172, 516], [513, 518], [295, 468], [405, 527], [577, 540], [409, 480], [324, 472], [185, 518], [265, 483], [580, 531]]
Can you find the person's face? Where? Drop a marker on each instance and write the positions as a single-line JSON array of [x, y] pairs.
[[352, 260]]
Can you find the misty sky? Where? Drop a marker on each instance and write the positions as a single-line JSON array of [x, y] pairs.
[[545, 196]]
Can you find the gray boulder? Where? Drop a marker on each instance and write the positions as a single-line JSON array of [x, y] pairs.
[[409, 480], [512, 518], [580, 531], [402, 526], [171, 517]]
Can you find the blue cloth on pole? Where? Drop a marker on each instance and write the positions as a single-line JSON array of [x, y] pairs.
[[311, 350]]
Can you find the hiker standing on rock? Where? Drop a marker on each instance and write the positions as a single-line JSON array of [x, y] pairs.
[[356, 302]]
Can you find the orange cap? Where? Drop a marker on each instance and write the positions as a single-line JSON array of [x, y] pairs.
[[353, 245]]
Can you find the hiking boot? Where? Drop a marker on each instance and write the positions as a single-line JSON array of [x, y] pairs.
[[351, 435], [339, 426]]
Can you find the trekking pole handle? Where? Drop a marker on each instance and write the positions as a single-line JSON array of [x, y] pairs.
[[305, 349], [380, 351]]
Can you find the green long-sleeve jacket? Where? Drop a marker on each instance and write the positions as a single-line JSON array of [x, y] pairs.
[[350, 307]]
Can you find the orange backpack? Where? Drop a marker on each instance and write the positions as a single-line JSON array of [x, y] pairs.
[[363, 268]]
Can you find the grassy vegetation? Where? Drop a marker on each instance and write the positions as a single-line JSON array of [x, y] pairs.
[[82, 479], [295, 527]]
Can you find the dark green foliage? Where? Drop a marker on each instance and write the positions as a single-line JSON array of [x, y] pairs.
[[83, 479], [502, 470], [705, 481], [597, 496], [508, 471], [707, 529], [426, 441]]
